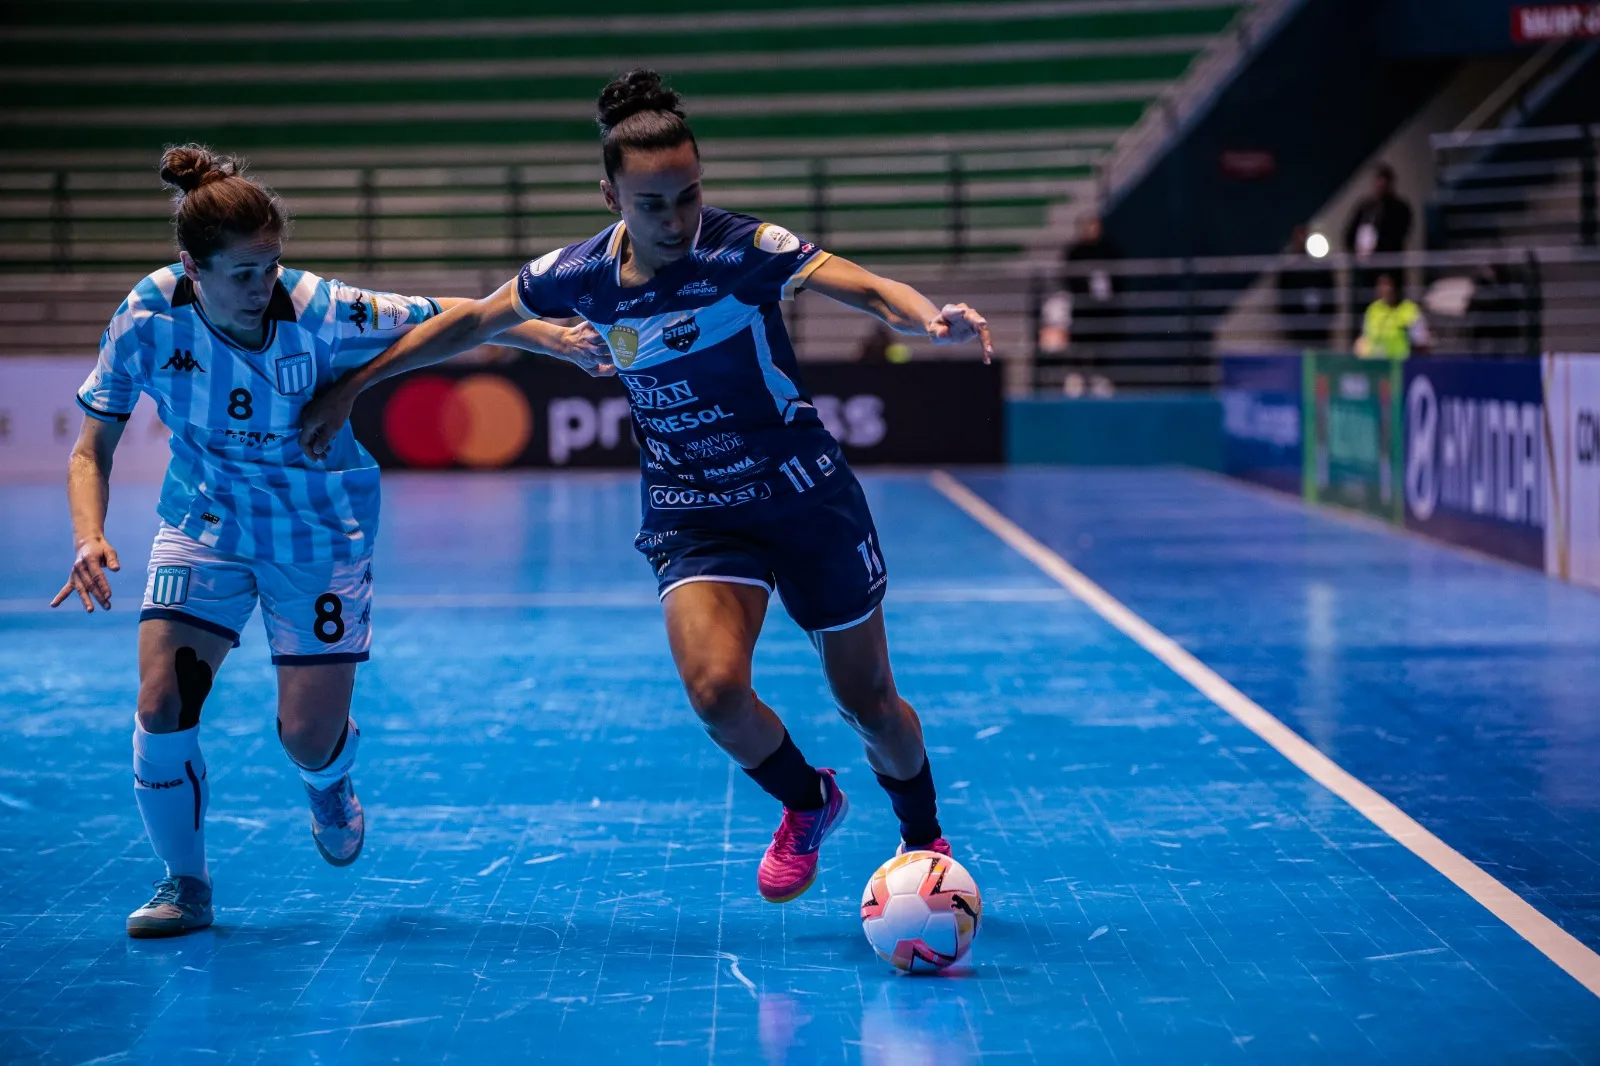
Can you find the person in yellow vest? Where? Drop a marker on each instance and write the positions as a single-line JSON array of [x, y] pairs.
[[1394, 326]]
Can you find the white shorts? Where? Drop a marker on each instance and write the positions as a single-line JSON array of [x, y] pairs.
[[314, 612]]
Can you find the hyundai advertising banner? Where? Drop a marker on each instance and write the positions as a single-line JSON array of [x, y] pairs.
[[1572, 528], [1475, 455], [1261, 435], [536, 413]]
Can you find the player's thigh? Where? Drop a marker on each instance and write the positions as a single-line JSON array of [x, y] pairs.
[[315, 698], [856, 663], [317, 614], [177, 663], [712, 627], [714, 586], [828, 564], [195, 598]]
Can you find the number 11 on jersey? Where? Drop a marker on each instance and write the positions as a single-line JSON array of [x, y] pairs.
[[795, 471]]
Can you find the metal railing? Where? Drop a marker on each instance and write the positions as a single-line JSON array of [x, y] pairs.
[[1533, 185], [1148, 324]]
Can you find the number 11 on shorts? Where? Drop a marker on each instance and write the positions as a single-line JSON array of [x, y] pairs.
[[869, 555], [795, 471]]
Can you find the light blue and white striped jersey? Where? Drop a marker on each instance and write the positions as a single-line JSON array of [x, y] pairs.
[[238, 481]]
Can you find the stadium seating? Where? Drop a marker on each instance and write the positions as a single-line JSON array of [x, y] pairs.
[[896, 131]]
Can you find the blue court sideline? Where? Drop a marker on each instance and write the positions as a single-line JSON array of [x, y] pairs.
[[560, 866]]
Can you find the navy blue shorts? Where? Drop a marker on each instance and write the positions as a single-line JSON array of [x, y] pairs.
[[823, 560]]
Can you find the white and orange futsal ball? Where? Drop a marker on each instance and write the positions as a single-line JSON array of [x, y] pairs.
[[920, 911]]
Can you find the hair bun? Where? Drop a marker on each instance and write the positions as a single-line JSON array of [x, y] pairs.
[[636, 91], [189, 166]]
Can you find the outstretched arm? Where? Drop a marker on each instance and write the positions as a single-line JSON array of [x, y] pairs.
[[88, 492], [902, 308], [462, 326]]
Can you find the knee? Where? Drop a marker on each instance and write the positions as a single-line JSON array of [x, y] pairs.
[[870, 705], [170, 700], [719, 697], [307, 741], [158, 705]]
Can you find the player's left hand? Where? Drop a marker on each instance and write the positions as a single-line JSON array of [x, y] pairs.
[[957, 324], [584, 347], [322, 419]]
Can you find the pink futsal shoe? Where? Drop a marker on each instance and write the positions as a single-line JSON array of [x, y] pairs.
[[938, 844], [790, 864]]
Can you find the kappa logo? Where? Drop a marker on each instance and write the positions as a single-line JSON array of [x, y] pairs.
[[183, 359], [681, 335], [698, 288], [359, 316]]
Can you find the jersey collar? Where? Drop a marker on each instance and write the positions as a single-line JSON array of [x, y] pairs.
[[280, 308]]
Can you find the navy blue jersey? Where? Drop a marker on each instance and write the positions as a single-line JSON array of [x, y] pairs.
[[727, 432]]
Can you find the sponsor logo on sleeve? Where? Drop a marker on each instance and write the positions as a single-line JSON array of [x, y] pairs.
[[544, 262], [775, 239], [389, 312]]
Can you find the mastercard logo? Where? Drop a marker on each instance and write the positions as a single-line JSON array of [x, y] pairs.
[[482, 420]]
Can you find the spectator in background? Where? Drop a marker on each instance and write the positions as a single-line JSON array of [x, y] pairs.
[[1092, 307], [1306, 291], [882, 345], [1378, 226], [1394, 326], [1381, 222]]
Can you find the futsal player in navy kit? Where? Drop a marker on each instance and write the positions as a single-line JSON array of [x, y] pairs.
[[744, 491]]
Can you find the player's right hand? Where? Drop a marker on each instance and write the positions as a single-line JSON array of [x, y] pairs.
[[322, 419], [95, 557], [583, 345]]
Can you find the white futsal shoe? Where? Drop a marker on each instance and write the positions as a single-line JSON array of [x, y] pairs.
[[337, 823]]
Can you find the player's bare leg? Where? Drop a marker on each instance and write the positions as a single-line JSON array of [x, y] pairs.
[[321, 738], [856, 662], [712, 627], [177, 663]]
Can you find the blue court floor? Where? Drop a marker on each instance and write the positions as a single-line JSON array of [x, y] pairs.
[[561, 868]]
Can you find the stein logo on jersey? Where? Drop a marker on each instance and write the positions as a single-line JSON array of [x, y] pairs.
[[294, 373], [681, 335], [171, 586]]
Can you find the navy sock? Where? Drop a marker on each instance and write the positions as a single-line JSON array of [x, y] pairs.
[[788, 778], [915, 805]]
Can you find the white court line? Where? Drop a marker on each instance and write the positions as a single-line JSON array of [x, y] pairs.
[[606, 598], [1561, 947]]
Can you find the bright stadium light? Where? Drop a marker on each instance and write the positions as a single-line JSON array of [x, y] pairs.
[[1316, 246]]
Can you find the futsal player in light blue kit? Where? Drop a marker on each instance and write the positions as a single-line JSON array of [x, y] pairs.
[[230, 346], [744, 491]]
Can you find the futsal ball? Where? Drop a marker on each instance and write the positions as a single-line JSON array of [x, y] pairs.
[[920, 911]]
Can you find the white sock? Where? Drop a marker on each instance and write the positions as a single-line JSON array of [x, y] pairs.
[[169, 784], [343, 761]]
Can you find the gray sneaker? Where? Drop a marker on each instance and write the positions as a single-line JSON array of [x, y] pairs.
[[181, 905], [337, 824]]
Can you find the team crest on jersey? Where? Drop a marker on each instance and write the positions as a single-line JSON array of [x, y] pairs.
[[775, 239], [171, 586], [681, 335], [624, 344], [294, 373]]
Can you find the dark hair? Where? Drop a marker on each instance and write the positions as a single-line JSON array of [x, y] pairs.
[[636, 111], [215, 202], [1384, 171]]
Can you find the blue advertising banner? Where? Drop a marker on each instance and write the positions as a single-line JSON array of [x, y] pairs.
[[1261, 438], [1475, 455]]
